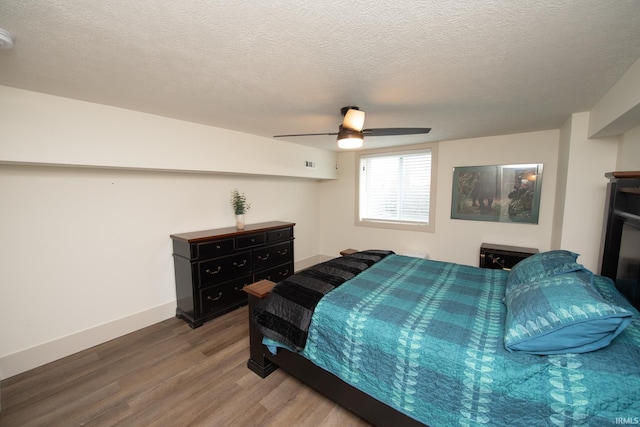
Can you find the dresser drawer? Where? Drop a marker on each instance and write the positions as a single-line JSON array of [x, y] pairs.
[[277, 235], [218, 270], [228, 294], [269, 256], [250, 240], [275, 274], [215, 248]]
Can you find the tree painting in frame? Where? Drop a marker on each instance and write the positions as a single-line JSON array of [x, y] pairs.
[[499, 193]]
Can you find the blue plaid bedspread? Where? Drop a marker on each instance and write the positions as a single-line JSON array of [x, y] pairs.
[[426, 337]]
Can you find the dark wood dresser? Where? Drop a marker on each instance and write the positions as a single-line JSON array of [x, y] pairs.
[[212, 266], [502, 256], [620, 247]]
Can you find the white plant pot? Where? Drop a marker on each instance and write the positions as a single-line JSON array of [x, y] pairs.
[[240, 222]]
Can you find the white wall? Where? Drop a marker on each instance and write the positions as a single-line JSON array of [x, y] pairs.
[[86, 252], [585, 191], [561, 185], [454, 240], [618, 110], [629, 152], [42, 129]]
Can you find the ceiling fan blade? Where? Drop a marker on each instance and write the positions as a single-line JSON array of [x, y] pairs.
[[394, 131], [305, 134]]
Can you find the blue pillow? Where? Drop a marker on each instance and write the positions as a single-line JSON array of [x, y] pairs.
[[561, 314], [544, 264]]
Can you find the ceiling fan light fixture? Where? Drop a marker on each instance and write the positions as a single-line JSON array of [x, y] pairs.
[[354, 120], [349, 139], [350, 143]]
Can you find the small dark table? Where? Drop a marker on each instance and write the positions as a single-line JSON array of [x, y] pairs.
[[502, 256]]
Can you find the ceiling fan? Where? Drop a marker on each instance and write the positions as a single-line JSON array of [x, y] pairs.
[[351, 133]]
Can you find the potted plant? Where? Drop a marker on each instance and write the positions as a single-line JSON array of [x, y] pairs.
[[240, 207]]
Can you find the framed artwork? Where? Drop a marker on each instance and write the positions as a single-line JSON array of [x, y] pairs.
[[499, 193]]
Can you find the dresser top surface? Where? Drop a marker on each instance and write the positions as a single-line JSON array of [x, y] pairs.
[[196, 236]]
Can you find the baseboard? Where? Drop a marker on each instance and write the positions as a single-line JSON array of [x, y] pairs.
[[308, 262], [22, 361]]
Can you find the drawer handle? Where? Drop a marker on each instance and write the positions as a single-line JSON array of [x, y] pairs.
[[210, 298], [263, 258], [239, 289], [213, 272], [242, 264], [217, 246], [284, 252], [284, 273]]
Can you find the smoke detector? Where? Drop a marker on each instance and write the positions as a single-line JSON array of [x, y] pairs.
[[6, 39]]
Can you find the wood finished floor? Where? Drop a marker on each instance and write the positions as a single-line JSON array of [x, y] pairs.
[[166, 375]]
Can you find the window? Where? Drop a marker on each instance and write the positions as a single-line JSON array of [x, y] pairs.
[[396, 187]]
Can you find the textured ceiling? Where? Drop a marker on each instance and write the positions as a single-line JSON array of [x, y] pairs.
[[464, 68]]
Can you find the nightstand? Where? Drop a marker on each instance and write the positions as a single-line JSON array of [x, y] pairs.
[[346, 252], [502, 256]]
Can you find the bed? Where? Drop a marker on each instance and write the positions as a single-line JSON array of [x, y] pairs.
[[408, 341]]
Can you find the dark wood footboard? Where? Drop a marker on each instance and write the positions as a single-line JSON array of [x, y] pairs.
[[262, 362], [258, 361]]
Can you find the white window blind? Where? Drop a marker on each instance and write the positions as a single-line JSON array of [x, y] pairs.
[[396, 187]]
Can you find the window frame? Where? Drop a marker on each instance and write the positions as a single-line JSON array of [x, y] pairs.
[[400, 225]]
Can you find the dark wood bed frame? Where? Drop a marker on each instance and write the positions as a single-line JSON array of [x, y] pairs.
[[262, 362], [623, 204]]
